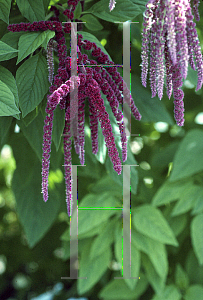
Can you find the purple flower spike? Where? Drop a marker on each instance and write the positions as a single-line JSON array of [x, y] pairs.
[[112, 4], [171, 33], [93, 92], [50, 60], [170, 23], [53, 101], [67, 161], [195, 9]]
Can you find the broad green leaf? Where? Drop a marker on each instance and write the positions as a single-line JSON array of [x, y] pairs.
[[29, 42], [198, 208], [154, 249], [187, 200], [170, 191], [193, 268], [169, 293], [91, 22], [7, 101], [95, 217], [46, 5], [108, 184], [6, 51], [32, 10], [178, 224], [93, 269], [118, 244], [181, 278], [151, 109], [157, 282], [35, 215], [188, 159], [31, 116], [103, 240], [135, 267], [117, 289], [149, 221], [5, 6], [90, 37], [196, 236], [135, 257], [161, 158], [78, 11], [102, 149], [34, 134], [7, 77], [123, 11], [58, 126], [32, 83], [11, 39], [5, 123], [90, 233], [194, 292]]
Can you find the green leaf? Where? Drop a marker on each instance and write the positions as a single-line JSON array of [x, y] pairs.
[[169, 293], [58, 126], [194, 292], [29, 42], [91, 22], [98, 216], [187, 200], [103, 240], [5, 6], [32, 83], [7, 77], [151, 109], [32, 10], [34, 134], [5, 123], [90, 37], [123, 11], [154, 249], [169, 192], [188, 159], [108, 184], [78, 11], [6, 51], [149, 221], [7, 101], [117, 289], [11, 39], [135, 267], [157, 282], [198, 208], [46, 5], [35, 215], [102, 149], [135, 257], [31, 116], [193, 269], [196, 236], [178, 224], [93, 269], [181, 278], [90, 233]]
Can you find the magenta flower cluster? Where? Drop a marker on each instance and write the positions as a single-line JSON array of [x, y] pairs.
[[93, 77], [170, 32]]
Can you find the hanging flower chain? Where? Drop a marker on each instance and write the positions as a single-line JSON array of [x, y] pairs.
[[170, 31], [90, 81]]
